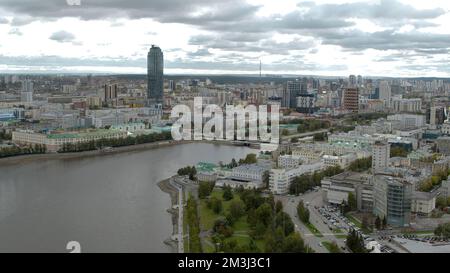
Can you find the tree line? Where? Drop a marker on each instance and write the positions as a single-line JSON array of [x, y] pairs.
[[306, 182], [28, 150], [193, 221], [119, 142]]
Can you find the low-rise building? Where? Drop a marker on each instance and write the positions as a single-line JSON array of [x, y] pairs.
[[337, 189], [443, 145], [280, 179], [289, 161], [342, 161], [423, 203]]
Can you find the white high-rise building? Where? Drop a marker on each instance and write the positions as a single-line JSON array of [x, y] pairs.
[[381, 153], [385, 93], [27, 91]]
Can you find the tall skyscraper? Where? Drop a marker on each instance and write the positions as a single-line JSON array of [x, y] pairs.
[[292, 90], [155, 74], [27, 91], [385, 93], [110, 92]]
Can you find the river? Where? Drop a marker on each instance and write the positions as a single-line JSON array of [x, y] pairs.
[[108, 203]]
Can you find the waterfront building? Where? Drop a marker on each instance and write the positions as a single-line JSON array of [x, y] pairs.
[[55, 141]]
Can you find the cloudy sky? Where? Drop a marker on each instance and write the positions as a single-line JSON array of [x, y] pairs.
[[322, 37]]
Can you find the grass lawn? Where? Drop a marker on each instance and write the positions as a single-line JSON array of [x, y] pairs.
[[340, 234], [354, 220], [314, 230], [329, 247]]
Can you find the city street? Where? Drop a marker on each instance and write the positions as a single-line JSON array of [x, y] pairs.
[[314, 199]]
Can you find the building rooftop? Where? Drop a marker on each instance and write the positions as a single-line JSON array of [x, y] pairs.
[[98, 133]]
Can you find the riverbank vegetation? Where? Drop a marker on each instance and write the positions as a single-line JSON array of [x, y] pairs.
[[194, 243], [16, 151], [103, 143], [4, 135]]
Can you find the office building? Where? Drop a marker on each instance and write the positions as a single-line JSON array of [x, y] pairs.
[[337, 188], [351, 99], [385, 93], [392, 200], [110, 92], [26, 94], [155, 74], [380, 156], [400, 105]]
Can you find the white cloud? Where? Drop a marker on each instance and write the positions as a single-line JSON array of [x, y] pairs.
[[322, 37]]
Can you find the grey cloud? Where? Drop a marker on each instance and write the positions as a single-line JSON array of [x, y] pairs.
[[174, 11], [62, 37], [385, 40], [233, 43], [385, 9], [21, 20]]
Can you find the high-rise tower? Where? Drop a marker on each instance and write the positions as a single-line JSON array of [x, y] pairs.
[[155, 75]]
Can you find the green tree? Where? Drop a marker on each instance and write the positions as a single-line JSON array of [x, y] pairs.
[[237, 209], [352, 201], [284, 221], [303, 212], [227, 193], [443, 230], [384, 223], [355, 242], [205, 189], [264, 214], [278, 206], [215, 204], [378, 223]]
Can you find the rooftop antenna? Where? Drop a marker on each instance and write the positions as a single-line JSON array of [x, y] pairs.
[[260, 68]]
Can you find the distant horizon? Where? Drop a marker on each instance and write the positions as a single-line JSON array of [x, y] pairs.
[[45, 73]]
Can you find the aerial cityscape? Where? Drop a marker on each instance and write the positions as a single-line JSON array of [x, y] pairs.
[[225, 126]]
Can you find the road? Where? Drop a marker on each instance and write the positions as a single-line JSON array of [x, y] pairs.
[[314, 199], [180, 206]]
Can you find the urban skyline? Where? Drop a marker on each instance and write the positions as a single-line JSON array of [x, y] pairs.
[[239, 126]]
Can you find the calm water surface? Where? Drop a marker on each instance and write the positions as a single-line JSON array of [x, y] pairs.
[[107, 203]]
